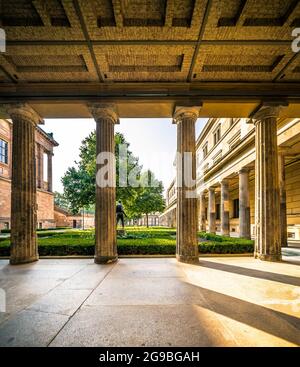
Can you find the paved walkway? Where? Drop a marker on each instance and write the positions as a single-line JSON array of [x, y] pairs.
[[225, 301]]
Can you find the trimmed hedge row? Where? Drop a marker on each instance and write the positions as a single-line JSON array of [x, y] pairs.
[[129, 248], [218, 238], [38, 230]]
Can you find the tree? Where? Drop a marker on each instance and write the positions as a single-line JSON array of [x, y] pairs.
[[61, 201], [79, 188], [151, 198], [80, 181]]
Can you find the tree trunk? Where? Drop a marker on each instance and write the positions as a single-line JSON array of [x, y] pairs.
[[83, 219], [147, 220]]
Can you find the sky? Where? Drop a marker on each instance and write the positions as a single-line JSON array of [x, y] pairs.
[[152, 140]]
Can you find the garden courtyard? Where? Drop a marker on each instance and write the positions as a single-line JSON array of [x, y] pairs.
[[226, 300]]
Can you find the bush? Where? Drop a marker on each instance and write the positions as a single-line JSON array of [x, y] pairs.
[[134, 248], [141, 241], [218, 247], [217, 238]]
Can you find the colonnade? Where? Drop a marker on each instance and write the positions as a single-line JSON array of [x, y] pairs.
[[268, 191]]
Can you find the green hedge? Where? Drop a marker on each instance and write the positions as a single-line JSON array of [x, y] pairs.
[[38, 230], [137, 248], [137, 241], [218, 238]]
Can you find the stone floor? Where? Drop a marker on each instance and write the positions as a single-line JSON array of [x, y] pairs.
[[225, 301]]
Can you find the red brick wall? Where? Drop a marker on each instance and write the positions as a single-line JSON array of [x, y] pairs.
[[45, 212], [45, 200], [4, 202]]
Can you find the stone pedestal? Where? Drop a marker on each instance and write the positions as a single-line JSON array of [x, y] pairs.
[[105, 217], [225, 208], [267, 208], [211, 210], [23, 196], [202, 212], [282, 194], [187, 242], [244, 204]]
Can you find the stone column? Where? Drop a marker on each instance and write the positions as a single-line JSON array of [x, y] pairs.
[[244, 204], [49, 171], [187, 242], [106, 240], [23, 195], [211, 210], [40, 167], [202, 215], [225, 208], [282, 193], [267, 208]]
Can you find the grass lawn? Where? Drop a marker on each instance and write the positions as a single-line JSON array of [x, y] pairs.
[[136, 241]]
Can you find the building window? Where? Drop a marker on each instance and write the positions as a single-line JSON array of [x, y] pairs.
[[3, 151], [217, 135], [236, 208], [205, 150], [218, 211]]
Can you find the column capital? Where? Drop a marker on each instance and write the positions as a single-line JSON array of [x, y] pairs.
[[268, 110], [212, 188], [224, 181], [244, 170], [23, 110], [104, 111], [182, 112]]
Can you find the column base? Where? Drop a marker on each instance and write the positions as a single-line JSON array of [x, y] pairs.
[[105, 259], [187, 259], [246, 237], [19, 261], [265, 257], [227, 234]]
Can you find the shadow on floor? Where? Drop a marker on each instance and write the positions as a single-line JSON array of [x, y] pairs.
[[254, 273], [273, 322]]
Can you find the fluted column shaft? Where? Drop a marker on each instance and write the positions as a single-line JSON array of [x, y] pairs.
[[23, 195], [105, 216], [202, 215], [282, 193], [40, 166], [211, 210], [49, 171], [267, 208], [225, 208], [244, 204], [187, 242]]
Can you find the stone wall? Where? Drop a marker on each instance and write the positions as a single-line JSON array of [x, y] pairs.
[[5, 193], [45, 213], [293, 193], [45, 201]]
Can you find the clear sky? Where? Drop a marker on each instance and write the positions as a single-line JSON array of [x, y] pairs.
[[152, 140]]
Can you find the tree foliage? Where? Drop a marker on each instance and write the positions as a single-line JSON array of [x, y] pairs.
[[80, 184]]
